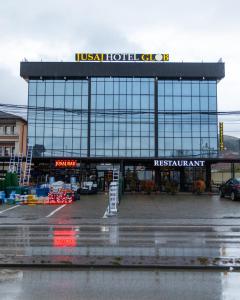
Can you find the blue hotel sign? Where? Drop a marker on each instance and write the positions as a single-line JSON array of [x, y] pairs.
[[178, 163]]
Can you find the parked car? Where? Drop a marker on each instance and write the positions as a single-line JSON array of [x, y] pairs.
[[230, 188]]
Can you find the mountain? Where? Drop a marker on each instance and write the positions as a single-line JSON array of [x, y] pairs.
[[231, 143]]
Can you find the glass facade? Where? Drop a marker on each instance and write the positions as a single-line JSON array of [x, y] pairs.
[[58, 117], [123, 117], [187, 119]]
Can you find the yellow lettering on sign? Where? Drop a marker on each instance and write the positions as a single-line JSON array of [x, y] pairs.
[[90, 57], [83, 56], [121, 57], [165, 57], [145, 57], [97, 57]]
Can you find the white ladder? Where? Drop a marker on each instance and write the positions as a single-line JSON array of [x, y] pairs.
[[11, 167], [115, 175], [27, 170], [113, 194], [19, 167], [113, 197]]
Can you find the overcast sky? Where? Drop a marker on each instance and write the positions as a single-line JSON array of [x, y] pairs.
[[53, 30]]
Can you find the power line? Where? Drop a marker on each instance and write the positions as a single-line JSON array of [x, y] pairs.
[[18, 108]]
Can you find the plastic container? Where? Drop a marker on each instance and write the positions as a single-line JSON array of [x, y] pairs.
[[42, 192], [2, 196], [51, 180], [73, 180], [10, 201], [22, 190]]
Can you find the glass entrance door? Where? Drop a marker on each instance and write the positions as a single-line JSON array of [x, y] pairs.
[[167, 178]]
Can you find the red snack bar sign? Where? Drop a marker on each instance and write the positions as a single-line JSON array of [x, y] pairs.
[[65, 163]]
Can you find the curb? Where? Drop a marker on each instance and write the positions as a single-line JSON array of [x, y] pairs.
[[160, 262], [59, 266]]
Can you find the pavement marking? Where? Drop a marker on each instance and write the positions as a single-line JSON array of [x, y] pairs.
[[53, 212], [105, 214], [1, 212]]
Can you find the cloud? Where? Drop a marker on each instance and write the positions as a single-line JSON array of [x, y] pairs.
[[54, 30], [13, 89]]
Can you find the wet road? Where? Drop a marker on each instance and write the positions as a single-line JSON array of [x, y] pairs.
[[118, 285], [151, 231], [120, 245]]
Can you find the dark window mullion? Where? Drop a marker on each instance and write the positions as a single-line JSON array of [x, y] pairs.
[[155, 116], [89, 119], [64, 120], [104, 105]]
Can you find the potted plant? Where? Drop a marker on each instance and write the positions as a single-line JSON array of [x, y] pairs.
[[149, 185], [199, 186]]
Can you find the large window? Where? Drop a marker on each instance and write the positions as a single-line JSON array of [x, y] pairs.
[[57, 119], [122, 117], [187, 120]]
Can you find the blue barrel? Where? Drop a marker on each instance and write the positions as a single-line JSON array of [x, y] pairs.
[[2, 197], [42, 192], [73, 180], [51, 179]]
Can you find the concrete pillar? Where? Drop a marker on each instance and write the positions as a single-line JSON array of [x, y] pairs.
[[157, 177], [182, 179], [208, 176], [122, 171]]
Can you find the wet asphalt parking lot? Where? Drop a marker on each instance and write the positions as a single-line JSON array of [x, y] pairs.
[[148, 229], [181, 229], [132, 207]]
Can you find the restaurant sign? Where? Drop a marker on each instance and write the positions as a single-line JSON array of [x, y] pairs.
[[122, 57], [65, 163], [178, 163]]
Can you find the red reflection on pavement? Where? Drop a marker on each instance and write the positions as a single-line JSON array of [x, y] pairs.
[[64, 238]]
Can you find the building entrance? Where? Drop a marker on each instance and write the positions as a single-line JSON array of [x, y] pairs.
[[168, 179], [183, 177]]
